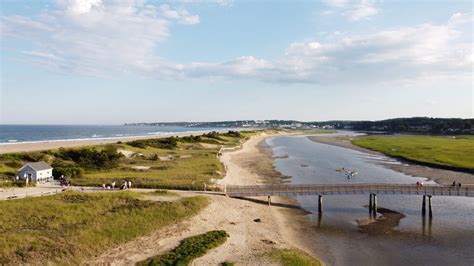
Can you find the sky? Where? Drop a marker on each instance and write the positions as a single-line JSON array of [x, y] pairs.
[[113, 62]]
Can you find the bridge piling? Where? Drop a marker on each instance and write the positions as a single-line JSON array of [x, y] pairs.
[[374, 207], [370, 202], [320, 220], [430, 206], [320, 203], [423, 206]]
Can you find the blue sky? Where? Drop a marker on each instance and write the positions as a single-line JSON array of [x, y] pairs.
[[111, 62]]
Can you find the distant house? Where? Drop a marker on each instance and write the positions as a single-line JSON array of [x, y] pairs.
[[36, 172]]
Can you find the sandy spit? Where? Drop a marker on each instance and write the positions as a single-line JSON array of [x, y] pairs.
[[248, 241]]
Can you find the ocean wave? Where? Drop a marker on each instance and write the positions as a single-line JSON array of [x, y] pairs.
[[112, 137]]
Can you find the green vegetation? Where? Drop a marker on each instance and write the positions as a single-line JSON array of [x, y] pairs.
[[16, 183], [161, 192], [437, 151], [171, 163], [189, 249], [71, 227], [293, 257], [227, 263], [318, 131]]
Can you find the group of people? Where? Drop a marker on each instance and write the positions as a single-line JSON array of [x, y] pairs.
[[349, 173], [64, 181], [419, 184], [126, 184], [454, 184]]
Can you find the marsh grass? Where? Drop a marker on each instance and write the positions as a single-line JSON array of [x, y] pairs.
[[437, 151], [189, 249], [71, 227], [293, 257]]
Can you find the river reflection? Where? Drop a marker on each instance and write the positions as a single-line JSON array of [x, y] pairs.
[[350, 234]]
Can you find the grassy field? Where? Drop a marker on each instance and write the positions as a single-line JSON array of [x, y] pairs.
[[71, 227], [172, 163], [318, 131], [189, 249], [438, 151], [292, 257]]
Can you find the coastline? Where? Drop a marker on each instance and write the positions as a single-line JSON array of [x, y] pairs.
[[30, 146], [440, 176]]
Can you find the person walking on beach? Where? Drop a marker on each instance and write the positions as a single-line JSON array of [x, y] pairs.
[[129, 184], [103, 186], [454, 183], [113, 185], [459, 184]]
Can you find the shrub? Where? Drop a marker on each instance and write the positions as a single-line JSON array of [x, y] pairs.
[[68, 169], [213, 135], [164, 143], [91, 158], [189, 249], [190, 139], [233, 134]]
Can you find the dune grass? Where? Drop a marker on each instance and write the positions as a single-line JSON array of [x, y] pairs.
[[293, 257], [161, 192], [437, 151], [169, 163], [189, 249], [71, 227]]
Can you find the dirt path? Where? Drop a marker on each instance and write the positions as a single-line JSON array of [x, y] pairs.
[[248, 241]]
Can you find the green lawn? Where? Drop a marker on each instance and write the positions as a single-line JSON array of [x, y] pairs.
[[440, 151], [189, 249], [71, 227]]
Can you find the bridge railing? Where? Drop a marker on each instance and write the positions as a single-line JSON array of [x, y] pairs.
[[353, 188]]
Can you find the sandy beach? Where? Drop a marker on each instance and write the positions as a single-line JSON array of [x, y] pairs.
[[47, 145], [440, 176], [249, 241]]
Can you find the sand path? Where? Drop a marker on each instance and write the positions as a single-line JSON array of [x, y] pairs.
[[248, 240]]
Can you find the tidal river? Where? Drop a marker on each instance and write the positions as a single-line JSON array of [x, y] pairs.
[[345, 234]]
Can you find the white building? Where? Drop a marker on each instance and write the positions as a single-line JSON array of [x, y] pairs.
[[36, 172]]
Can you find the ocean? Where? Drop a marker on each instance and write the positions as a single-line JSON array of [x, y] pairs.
[[38, 133]]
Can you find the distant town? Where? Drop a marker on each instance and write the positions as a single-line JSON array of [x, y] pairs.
[[415, 125]]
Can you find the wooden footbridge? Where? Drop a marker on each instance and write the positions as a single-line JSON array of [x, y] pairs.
[[427, 191]]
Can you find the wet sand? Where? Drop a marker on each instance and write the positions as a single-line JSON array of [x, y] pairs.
[[440, 176]]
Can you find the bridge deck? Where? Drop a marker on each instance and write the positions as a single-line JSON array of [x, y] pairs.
[[348, 189]]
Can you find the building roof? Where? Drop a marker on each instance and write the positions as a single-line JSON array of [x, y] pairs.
[[38, 166]]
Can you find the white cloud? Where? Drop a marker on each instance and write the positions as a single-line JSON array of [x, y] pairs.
[[78, 7], [336, 3], [402, 55], [109, 37], [180, 15], [363, 10], [95, 37], [354, 10]]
